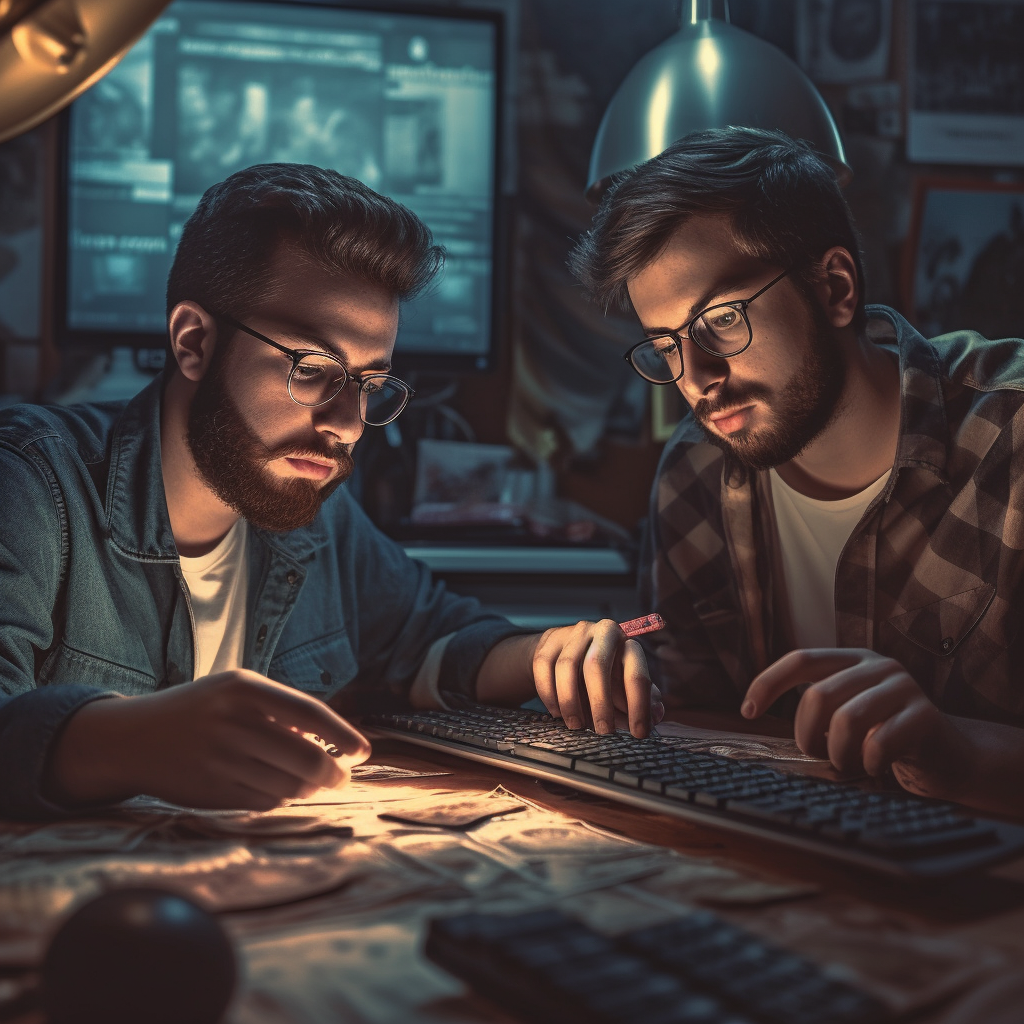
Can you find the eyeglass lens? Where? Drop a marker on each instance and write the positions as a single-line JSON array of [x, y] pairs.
[[317, 379], [721, 330]]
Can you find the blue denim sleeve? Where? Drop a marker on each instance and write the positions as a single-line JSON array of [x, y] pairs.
[[398, 612], [28, 725], [30, 568], [467, 650]]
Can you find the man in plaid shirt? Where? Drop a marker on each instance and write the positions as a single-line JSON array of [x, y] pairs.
[[837, 526]]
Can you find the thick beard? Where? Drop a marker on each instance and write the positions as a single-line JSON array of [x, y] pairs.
[[801, 409], [232, 462]]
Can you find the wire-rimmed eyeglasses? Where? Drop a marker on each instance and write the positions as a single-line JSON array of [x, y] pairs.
[[721, 330], [317, 377]]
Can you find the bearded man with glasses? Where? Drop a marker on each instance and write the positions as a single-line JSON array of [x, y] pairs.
[[835, 530], [189, 597]]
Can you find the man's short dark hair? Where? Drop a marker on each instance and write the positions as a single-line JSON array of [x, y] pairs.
[[224, 256], [784, 200]]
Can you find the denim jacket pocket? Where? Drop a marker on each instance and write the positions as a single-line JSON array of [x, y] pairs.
[[319, 667], [940, 626], [65, 664]]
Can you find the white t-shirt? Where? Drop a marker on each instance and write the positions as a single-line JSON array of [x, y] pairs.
[[217, 583], [812, 535]]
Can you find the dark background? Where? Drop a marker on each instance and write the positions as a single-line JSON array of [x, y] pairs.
[[562, 392]]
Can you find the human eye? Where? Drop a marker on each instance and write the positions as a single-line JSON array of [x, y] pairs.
[[663, 345], [313, 368], [722, 318]]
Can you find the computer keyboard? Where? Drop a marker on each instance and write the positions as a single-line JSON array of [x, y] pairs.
[[892, 832], [696, 969]]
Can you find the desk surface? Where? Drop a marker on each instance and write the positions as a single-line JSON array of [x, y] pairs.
[[351, 953]]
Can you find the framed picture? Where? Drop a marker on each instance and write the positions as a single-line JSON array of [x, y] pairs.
[[965, 257], [844, 41], [965, 82]]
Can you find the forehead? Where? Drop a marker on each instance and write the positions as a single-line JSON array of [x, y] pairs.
[[303, 293], [701, 257]]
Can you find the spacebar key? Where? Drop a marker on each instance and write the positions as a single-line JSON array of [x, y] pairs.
[[552, 757]]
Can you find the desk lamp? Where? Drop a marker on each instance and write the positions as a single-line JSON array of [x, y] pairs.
[[710, 74], [52, 50]]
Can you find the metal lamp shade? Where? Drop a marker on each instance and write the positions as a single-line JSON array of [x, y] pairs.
[[51, 51], [709, 75]]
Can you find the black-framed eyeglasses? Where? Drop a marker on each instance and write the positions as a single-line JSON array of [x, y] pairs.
[[317, 377], [721, 330]]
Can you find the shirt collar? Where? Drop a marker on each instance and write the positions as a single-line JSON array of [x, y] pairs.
[[924, 429]]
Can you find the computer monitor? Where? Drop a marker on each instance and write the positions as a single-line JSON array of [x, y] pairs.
[[408, 101]]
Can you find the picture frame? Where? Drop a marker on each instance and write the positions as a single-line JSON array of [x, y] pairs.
[[964, 258], [965, 82], [839, 42]]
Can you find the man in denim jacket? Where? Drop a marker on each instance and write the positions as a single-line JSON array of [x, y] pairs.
[[198, 533]]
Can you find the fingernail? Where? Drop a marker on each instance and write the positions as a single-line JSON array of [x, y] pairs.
[[573, 722], [657, 712], [748, 710], [602, 726]]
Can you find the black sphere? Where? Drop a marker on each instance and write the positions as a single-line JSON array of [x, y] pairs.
[[138, 955]]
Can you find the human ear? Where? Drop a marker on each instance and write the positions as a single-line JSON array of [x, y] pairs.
[[193, 334], [839, 286]]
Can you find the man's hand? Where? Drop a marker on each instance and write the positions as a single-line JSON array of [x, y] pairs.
[[864, 712], [587, 673], [230, 740]]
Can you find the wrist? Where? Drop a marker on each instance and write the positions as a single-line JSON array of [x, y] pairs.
[[88, 761], [506, 673]]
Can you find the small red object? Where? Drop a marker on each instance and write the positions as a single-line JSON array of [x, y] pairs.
[[645, 624]]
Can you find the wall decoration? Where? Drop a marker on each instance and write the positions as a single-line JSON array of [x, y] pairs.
[[843, 41], [965, 257], [966, 82]]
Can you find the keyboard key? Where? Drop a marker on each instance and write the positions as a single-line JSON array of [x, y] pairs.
[[554, 757]]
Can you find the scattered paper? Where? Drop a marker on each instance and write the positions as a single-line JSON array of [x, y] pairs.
[[460, 813], [386, 772]]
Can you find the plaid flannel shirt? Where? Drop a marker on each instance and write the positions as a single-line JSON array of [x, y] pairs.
[[933, 574]]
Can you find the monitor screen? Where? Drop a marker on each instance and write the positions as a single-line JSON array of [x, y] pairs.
[[406, 102]]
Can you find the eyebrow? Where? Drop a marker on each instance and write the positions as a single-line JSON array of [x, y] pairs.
[[318, 343], [703, 302]]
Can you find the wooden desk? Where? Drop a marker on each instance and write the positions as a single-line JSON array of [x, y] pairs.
[[981, 916], [986, 909]]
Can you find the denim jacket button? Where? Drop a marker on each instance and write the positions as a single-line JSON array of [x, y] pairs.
[[292, 577]]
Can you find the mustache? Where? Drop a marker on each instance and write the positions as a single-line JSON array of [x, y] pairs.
[[705, 408], [340, 452]]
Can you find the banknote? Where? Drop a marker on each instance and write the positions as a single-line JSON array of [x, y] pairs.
[[387, 772], [367, 973], [460, 812]]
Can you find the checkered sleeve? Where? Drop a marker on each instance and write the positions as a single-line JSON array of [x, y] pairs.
[[701, 658]]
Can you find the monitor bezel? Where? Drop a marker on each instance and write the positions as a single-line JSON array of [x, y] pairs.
[[418, 360]]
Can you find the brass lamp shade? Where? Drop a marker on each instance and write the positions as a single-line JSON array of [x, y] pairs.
[[52, 50], [710, 74]]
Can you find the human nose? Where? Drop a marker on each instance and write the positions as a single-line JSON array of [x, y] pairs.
[[340, 416], [703, 373]]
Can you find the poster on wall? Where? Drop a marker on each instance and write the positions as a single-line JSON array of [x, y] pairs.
[[966, 82], [965, 257], [844, 41]]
